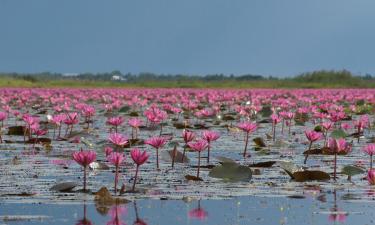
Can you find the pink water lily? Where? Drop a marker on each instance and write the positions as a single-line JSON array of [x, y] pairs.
[[84, 158], [157, 143], [116, 159], [139, 158], [369, 150], [188, 136], [371, 176], [118, 139], [338, 146], [209, 136], [247, 127], [198, 146], [312, 136]]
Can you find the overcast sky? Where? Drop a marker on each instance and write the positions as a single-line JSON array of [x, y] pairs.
[[267, 37]]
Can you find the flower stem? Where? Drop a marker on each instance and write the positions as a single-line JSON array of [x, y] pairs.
[[84, 178], [116, 179], [199, 163], [307, 154], [246, 142], [135, 178]]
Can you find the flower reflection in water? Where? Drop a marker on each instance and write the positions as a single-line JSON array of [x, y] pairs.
[[138, 221], [336, 214], [84, 221], [198, 213], [116, 212]]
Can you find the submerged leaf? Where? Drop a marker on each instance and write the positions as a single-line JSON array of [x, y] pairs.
[[193, 178], [103, 197], [309, 175]]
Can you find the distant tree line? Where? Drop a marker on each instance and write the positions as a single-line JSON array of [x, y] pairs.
[[340, 76]]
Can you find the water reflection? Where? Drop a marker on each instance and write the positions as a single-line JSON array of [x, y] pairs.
[[138, 221], [198, 213], [336, 214], [116, 212], [84, 221]]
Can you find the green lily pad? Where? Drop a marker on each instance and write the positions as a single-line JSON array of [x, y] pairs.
[[352, 170], [231, 172], [339, 133]]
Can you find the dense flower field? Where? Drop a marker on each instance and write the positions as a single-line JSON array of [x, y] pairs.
[[125, 144]]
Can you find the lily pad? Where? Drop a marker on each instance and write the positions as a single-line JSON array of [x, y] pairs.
[[263, 164], [64, 187], [231, 172], [17, 130], [259, 142], [124, 109], [223, 159], [266, 111], [352, 171], [167, 157], [339, 133]]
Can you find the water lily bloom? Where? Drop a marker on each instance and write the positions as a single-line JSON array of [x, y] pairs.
[[188, 136], [210, 136], [157, 143], [275, 120], [371, 176], [369, 150], [312, 136], [70, 120], [247, 127], [116, 159], [3, 116], [338, 146], [84, 158], [198, 146], [115, 121], [360, 124], [135, 123], [108, 150], [139, 158], [117, 139]]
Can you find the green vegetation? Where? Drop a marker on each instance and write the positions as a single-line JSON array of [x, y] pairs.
[[316, 79]]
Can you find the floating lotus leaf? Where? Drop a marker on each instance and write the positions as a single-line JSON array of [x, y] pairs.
[[259, 142], [339, 133], [64, 187], [231, 172]]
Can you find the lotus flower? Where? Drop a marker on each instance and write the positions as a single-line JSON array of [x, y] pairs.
[[139, 158], [369, 150], [337, 146], [198, 146], [247, 127], [312, 136], [116, 159], [210, 136], [84, 158], [157, 143]]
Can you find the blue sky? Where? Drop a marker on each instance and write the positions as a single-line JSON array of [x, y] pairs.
[[267, 37]]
